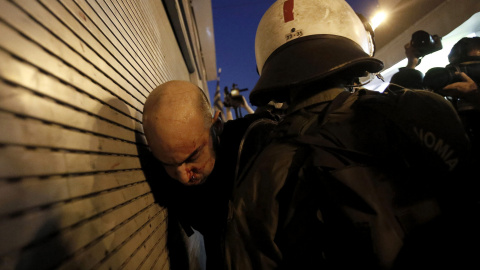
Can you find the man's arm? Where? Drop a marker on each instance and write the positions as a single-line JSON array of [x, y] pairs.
[[410, 53], [467, 90], [246, 106]]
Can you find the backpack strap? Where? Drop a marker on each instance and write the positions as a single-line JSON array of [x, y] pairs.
[[338, 101], [307, 117], [299, 126], [256, 137]]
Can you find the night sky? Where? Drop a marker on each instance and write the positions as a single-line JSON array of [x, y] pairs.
[[235, 24]]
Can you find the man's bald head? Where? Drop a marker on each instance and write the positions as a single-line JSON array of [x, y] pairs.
[[177, 99], [177, 119]]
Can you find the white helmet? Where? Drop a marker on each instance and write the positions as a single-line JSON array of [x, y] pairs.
[[301, 41]]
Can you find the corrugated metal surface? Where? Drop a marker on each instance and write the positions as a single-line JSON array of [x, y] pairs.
[[74, 75]]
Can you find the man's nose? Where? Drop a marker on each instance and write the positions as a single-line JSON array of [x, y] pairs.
[[182, 175]]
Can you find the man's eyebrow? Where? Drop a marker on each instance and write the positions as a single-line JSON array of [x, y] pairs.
[[189, 157]]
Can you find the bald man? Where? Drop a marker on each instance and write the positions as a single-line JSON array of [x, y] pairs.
[[181, 132], [199, 153]]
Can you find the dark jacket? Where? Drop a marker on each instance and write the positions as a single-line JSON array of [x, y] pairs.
[[276, 218]]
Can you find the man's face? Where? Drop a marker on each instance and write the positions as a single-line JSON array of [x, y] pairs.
[[186, 153]]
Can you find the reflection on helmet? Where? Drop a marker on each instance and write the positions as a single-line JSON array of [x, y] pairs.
[[300, 41]]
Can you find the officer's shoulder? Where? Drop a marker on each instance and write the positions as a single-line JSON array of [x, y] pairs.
[[248, 119], [424, 95], [408, 93]]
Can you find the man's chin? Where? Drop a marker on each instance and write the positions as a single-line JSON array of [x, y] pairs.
[[196, 182]]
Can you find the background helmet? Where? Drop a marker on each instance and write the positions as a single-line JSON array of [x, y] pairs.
[[301, 41]]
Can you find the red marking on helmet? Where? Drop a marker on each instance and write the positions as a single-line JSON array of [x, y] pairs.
[[288, 10]]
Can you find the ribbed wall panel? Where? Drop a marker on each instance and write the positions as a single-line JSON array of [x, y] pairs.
[[74, 75]]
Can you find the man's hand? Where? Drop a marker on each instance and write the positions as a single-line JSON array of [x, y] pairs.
[[237, 101], [466, 89]]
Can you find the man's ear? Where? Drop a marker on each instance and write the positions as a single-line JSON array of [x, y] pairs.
[[217, 123]]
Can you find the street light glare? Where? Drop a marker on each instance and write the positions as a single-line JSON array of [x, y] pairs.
[[378, 19]]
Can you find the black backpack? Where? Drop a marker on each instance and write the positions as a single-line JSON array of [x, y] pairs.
[[406, 210]]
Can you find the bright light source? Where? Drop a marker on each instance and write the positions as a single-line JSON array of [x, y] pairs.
[[378, 19]]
